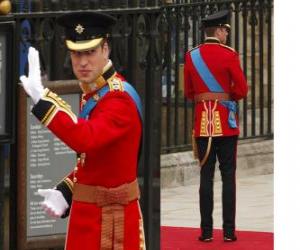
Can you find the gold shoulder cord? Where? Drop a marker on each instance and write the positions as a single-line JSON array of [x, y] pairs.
[[202, 162]]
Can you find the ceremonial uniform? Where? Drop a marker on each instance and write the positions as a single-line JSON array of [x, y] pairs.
[[109, 141], [102, 192], [214, 81], [224, 64]]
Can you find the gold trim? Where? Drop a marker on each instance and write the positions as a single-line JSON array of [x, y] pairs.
[[119, 221], [227, 47], [60, 105], [50, 118], [216, 121], [226, 25], [112, 227], [107, 228], [60, 102], [142, 244], [69, 183], [100, 82], [115, 84], [204, 123], [217, 125], [48, 114], [107, 66], [83, 45], [90, 87]]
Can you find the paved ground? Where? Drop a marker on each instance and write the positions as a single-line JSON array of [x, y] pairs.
[[179, 205]]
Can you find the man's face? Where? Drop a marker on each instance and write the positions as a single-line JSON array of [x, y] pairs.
[[88, 65], [222, 34]]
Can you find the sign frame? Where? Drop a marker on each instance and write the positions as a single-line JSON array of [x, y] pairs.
[[34, 242], [8, 136]]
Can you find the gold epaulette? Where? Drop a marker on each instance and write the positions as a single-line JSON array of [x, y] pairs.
[[227, 47], [115, 84]]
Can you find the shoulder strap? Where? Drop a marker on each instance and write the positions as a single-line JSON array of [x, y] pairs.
[[91, 103], [194, 47], [204, 72], [135, 97], [227, 47]]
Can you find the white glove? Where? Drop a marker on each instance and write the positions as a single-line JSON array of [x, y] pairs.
[[33, 83], [54, 203]]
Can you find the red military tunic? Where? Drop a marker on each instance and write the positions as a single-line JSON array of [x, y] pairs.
[[223, 62], [110, 139]]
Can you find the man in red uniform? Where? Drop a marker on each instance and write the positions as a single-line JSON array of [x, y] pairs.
[[214, 81], [102, 192]]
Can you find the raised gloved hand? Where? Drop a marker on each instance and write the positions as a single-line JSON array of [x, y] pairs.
[[33, 83], [54, 203]]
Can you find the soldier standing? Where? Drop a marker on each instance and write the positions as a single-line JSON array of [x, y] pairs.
[[214, 81], [102, 193]]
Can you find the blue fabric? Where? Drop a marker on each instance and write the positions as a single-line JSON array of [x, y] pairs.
[[91, 103], [232, 107], [213, 85], [135, 96], [204, 72]]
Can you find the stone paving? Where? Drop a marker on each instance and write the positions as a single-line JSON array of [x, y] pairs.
[[179, 205]]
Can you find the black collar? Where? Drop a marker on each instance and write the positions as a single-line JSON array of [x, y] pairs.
[[109, 73]]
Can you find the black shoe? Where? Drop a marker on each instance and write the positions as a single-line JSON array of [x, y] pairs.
[[206, 236], [229, 236]]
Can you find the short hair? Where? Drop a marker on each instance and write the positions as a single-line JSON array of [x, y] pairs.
[[210, 31], [105, 40]]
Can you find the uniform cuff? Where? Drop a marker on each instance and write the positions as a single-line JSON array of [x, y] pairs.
[[66, 188], [47, 107]]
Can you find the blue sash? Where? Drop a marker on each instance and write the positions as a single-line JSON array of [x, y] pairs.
[[213, 85], [91, 103]]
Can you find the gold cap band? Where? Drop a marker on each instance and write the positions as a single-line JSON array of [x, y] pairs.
[[83, 45]]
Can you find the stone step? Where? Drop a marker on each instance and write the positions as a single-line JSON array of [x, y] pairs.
[[255, 157]]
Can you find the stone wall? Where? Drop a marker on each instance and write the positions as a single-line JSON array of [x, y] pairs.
[[255, 157]]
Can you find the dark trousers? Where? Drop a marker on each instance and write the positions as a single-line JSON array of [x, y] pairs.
[[224, 149]]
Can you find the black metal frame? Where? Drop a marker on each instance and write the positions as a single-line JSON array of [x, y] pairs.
[[7, 28]]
